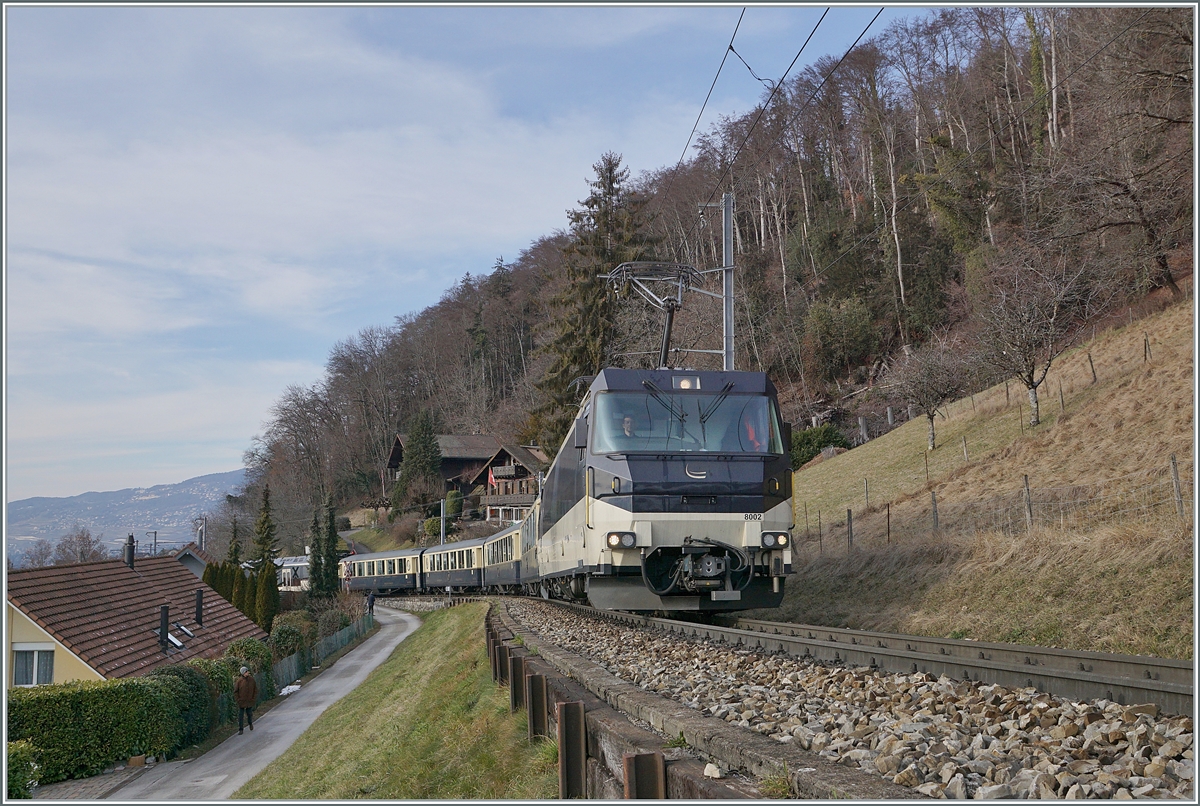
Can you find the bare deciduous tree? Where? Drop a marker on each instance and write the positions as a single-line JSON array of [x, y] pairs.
[[78, 546], [930, 378], [1037, 301]]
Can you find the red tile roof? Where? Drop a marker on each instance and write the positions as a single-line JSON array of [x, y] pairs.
[[108, 613], [207, 558]]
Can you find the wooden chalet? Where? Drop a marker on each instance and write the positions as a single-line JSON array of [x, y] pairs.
[[511, 478]]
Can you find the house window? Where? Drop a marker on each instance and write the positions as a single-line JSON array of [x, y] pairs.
[[33, 667]]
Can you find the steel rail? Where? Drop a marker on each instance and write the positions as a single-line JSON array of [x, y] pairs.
[[1124, 679]]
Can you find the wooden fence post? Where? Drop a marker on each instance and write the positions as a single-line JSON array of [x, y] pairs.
[[966, 458], [849, 530], [933, 500], [1028, 506], [1178, 488], [866, 494], [889, 522]]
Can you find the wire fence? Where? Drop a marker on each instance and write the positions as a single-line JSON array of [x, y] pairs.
[[1138, 496], [1157, 494]]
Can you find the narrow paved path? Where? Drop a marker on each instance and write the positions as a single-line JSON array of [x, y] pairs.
[[221, 771]]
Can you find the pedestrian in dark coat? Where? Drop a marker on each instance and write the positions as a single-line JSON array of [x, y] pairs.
[[245, 694], [371, 603]]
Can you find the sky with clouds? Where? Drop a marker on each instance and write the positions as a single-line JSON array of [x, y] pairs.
[[200, 201]]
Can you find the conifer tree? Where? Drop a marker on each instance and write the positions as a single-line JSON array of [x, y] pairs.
[[239, 590], [266, 601], [234, 555], [331, 545], [607, 231], [250, 597], [421, 468], [265, 547], [209, 577], [316, 556]]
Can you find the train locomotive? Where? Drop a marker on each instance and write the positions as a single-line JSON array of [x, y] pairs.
[[671, 492]]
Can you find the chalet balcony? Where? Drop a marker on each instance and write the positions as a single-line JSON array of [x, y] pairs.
[[517, 500]]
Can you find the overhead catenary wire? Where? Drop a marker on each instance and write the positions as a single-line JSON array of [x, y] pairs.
[[942, 177], [767, 104], [703, 106]]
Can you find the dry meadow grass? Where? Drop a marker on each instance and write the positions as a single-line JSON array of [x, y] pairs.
[[1119, 584]]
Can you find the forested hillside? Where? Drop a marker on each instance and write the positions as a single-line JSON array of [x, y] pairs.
[[948, 205]]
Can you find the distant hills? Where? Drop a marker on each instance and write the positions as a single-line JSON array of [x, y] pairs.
[[167, 508]]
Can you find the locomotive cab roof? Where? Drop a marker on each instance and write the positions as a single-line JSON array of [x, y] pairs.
[[629, 380]]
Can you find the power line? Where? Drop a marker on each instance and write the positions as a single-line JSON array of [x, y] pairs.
[[704, 105]]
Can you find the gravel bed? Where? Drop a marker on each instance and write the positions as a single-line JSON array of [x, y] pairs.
[[946, 738]]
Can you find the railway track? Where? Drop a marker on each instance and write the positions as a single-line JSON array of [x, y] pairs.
[[1125, 679], [889, 712]]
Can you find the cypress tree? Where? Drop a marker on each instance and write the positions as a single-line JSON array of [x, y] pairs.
[[208, 577], [266, 601], [316, 556], [250, 597], [239, 590], [331, 545]]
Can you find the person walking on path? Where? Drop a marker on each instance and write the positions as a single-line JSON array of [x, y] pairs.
[[245, 694], [371, 603]]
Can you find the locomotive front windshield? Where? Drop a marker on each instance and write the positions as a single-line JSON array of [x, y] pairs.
[[668, 421]]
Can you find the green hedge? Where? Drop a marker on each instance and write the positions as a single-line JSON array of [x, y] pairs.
[[22, 768], [256, 655], [286, 639], [193, 699], [218, 674], [82, 727]]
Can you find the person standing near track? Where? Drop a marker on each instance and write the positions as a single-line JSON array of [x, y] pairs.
[[371, 603], [245, 694]]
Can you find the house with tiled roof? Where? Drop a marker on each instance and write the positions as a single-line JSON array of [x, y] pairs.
[[102, 620], [194, 558]]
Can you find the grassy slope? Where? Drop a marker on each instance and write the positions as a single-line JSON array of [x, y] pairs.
[[429, 723], [1124, 587]]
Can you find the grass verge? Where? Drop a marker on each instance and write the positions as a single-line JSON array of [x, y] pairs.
[[428, 724]]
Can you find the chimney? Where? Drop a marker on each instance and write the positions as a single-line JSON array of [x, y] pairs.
[[199, 607], [163, 621], [129, 550]]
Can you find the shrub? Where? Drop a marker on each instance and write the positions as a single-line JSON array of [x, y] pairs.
[[193, 699], [433, 527], [342, 523], [218, 674], [331, 621], [301, 620], [286, 640], [256, 655], [808, 443], [454, 503], [82, 726], [22, 768]]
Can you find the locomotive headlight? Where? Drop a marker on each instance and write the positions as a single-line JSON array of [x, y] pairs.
[[772, 540], [621, 540]]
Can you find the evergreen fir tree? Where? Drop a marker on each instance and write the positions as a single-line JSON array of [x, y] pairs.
[[265, 547], [234, 555], [421, 468], [316, 556], [608, 231], [331, 545], [266, 601]]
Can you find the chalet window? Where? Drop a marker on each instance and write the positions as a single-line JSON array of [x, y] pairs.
[[33, 667]]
